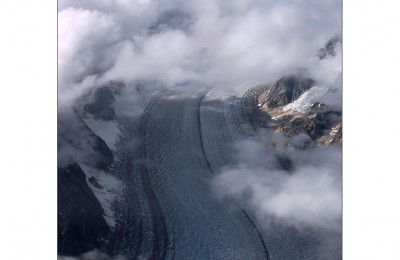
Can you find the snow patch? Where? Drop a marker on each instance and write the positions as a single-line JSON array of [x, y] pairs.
[[106, 130], [305, 101], [334, 130], [105, 195]]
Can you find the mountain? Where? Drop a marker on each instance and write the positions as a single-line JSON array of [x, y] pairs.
[[84, 165], [128, 174], [81, 226], [287, 106]]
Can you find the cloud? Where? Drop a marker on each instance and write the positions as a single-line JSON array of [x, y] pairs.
[[163, 57], [306, 196], [310, 195], [328, 73], [86, 42], [77, 143], [218, 43]]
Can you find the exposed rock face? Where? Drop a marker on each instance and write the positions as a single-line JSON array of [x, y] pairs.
[[284, 91], [94, 182], [265, 106], [81, 223], [77, 141], [81, 227], [101, 104], [172, 19], [329, 48]]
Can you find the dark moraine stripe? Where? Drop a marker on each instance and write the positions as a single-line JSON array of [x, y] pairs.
[[160, 241]]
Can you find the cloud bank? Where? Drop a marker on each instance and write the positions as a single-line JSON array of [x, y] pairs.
[[308, 195], [216, 43]]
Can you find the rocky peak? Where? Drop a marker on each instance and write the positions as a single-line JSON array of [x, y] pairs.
[[264, 107], [99, 102], [285, 90]]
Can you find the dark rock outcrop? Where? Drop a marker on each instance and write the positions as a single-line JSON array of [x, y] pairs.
[[81, 226], [329, 48], [81, 223], [94, 182], [285, 90], [171, 19], [101, 103], [76, 141]]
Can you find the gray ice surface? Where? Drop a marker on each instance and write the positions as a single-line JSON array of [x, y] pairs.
[[185, 139]]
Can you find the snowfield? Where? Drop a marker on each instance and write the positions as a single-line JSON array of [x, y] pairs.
[[106, 130]]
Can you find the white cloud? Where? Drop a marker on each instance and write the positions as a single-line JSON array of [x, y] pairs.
[[226, 43], [86, 41], [165, 57], [308, 196]]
